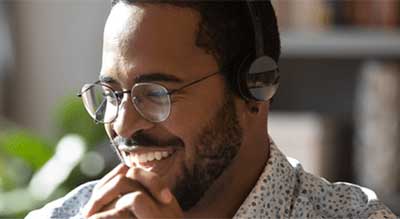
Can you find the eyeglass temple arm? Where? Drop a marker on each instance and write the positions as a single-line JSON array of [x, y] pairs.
[[170, 92], [192, 83]]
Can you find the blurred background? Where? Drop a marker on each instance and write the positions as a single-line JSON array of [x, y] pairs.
[[337, 110]]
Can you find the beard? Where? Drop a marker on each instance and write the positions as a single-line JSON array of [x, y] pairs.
[[216, 146]]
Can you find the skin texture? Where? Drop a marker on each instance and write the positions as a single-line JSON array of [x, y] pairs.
[[215, 137]]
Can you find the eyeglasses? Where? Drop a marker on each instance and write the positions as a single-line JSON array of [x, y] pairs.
[[151, 100]]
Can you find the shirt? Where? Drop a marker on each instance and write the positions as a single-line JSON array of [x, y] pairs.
[[283, 190]]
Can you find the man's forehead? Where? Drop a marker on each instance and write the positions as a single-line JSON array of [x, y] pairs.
[[121, 22], [166, 27], [153, 38]]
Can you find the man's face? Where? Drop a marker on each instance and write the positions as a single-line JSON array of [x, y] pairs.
[[156, 43]]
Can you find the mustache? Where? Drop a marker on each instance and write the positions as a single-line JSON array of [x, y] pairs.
[[141, 139]]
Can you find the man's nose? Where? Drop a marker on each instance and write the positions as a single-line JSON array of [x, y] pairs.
[[129, 121]]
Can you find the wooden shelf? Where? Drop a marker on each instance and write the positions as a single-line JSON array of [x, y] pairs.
[[341, 44]]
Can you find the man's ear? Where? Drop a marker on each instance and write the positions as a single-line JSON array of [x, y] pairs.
[[253, 106]]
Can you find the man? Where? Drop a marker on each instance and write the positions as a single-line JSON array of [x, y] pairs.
[[191, 145]]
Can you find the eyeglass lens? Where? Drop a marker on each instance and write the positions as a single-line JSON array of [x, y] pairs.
[[150, 100]]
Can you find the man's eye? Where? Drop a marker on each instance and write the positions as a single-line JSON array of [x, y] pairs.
[[156, 94]]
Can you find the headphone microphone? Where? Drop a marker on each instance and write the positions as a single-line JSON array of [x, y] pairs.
[[257, 79]]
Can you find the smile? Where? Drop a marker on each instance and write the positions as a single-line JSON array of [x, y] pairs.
[[150, 156], [146, 155]]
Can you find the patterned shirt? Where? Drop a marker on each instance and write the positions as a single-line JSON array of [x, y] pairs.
[[284, 190]]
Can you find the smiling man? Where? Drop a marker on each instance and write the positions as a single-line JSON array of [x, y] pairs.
[[190, 129]]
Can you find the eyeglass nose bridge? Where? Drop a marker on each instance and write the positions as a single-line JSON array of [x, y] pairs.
[[120, 96]]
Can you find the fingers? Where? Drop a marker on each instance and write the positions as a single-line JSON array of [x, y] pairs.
[[143, 205], [120, 169], [152, 183], [117, 186], [138, 191], [140, 203]]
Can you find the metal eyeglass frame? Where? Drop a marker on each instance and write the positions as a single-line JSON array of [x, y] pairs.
[[119, 95]]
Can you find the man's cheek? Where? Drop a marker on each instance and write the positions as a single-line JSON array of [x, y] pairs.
[[176, 173]]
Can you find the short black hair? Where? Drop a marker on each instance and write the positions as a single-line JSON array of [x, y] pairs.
[[226, 31]]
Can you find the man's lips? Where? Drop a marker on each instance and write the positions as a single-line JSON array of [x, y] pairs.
[[147, 160], [148, 157]]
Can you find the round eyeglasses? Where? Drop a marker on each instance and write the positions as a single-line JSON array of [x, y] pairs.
[[151, 100]]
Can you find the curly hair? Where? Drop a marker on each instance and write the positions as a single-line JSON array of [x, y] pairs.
[[226, 31]]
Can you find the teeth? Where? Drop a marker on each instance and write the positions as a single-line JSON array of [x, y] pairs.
[[150, 156], [142, 158], [158, 155]]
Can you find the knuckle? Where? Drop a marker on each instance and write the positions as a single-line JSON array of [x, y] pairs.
[[136, 172], [139, 197], [118, 180], [155, 183], [146, 178]]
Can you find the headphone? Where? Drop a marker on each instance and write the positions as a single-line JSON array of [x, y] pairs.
[[257, 79]]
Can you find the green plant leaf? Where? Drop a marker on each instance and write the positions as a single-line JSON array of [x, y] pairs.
[[71, 117], [34, 150]]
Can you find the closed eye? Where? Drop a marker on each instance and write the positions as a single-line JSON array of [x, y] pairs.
[[157, 94]]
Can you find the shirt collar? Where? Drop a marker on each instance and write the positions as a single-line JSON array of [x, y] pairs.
[[273, 191]]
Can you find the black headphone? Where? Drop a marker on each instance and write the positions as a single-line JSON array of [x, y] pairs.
[[257, 79]]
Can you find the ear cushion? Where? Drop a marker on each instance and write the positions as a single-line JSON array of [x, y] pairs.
[[241, 77], [258, 80]]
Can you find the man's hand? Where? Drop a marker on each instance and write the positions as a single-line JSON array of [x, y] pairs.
[[132, 192]]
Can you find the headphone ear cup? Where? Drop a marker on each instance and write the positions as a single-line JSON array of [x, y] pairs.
[[260, 80], [263, 78], [241, 77]]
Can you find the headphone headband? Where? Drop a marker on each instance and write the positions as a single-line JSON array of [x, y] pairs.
[[257, 27], [258, 77]]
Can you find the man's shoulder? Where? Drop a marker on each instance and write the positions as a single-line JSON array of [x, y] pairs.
[[336, 200], [286, 190], [68, 206]]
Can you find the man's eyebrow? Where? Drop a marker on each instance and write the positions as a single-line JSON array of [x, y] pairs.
[[148, 77], [161, 77], [107, 79]]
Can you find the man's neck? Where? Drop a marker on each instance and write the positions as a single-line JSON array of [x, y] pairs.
[[229, 191]]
